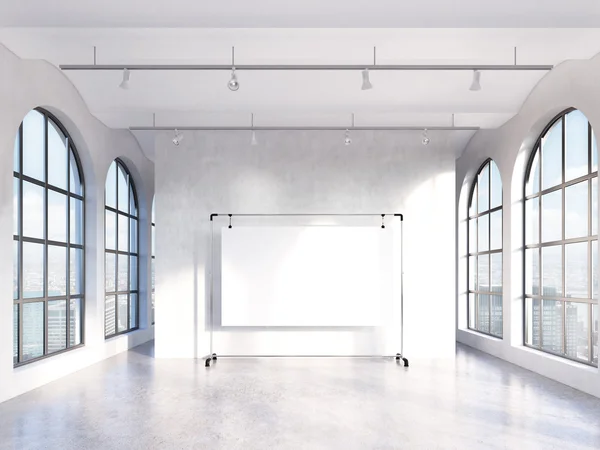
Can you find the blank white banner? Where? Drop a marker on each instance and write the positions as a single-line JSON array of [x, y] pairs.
[[307, 276]]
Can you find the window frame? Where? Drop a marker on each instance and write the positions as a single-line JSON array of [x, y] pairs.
[[589, 238], [152, 260], [71, 149], [130, 188], [475, 254]]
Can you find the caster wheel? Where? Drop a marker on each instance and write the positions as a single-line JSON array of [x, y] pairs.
[[214, 356], [207, 363]]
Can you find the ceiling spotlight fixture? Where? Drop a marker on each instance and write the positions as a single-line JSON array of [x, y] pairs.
[[178, 138], [347, 139], [233, 84], [125, 83], [476, 83], [366, 83], [425, 140]]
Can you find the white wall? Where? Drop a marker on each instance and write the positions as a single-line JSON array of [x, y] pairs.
[[571, 84], [25, 85], [295, 173]]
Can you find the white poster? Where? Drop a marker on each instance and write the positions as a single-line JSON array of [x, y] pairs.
[[308, 276]]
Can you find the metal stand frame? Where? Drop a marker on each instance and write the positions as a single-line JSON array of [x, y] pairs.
[[212, 357]]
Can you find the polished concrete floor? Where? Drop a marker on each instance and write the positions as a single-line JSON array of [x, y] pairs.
[[132, 401]]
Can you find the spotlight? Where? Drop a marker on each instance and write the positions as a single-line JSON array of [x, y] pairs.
[[253, 141], [347, 140], [476, 83], [233, 84], [178, 138], [425, 140], [366, 83], [125, 83]]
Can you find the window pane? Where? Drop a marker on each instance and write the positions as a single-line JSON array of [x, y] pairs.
[[576, 329], [133, 281], [552, 326], [110, 272], [15, 270], [595, 269], [57, 325], [57, 271], [153, 300], [76, 219], [532, 317], [483, 229], [133, 236], [473, 204], [123, 272], [552, 216], [33, 210], [123, 241], [75, 322], [552, 271], [483, 187], [76, 186], [576, 145], [153, 231], [576, 210], [16, 203], [57, 216], [532, 221], [496, 230], [496, 313], [111, 230], [33, 145], [532, 271], [57, 157], [109, 315], [33, 270], [473, 236], [483, 312], [483, 273], [17, 153], [111, 186], [533, 181], [552, 156], [132, 205], [153, 217], [594, 153], [76, 272], [123, 190], [33, 330], [595, 334], [471, 273], [576, 271], [594, 206], [15, 334], [472, 311], [133, 309], [496, 270], [123, 316], [496, 188]]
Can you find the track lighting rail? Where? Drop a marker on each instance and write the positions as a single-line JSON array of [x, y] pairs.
[[299, 67], [305, 128]]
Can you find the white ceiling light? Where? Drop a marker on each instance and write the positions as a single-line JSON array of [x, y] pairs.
[[476, 83], [178, 138], [233, 84], [425, 140], [366, 83], [125, 83], [253, 140]]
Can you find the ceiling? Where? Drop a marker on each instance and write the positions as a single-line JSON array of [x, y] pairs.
[[307, 13], [323, 98]]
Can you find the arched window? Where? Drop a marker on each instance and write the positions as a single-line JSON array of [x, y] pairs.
[[48, 249], [485, 252], [561, 234], [153, 258], [121, 256]]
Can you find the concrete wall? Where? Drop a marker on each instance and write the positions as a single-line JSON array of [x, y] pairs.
[[296, 173], [571, 84], [25, 85]]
